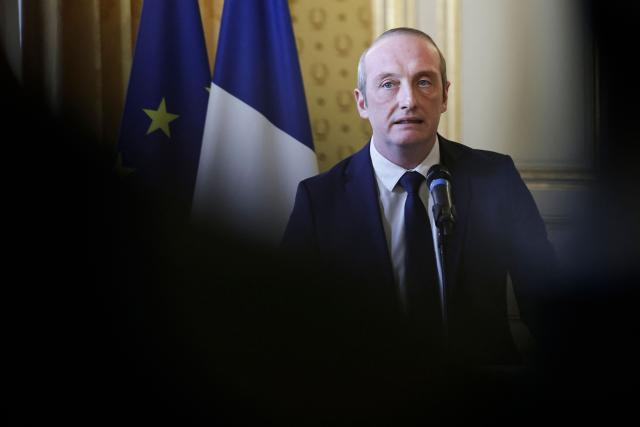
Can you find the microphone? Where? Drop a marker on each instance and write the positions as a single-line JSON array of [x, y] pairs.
[[439, 183]]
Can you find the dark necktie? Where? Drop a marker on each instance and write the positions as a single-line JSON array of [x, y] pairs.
[[423, 300]]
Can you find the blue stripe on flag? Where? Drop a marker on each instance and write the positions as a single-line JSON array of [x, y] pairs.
[[257, 62]]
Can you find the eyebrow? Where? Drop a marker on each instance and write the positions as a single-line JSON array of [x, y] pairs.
[[383, 76], [427, 72]]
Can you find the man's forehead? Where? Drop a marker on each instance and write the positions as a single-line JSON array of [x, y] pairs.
[[381, 56], [388, 44]]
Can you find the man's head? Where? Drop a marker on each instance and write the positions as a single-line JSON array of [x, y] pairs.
[[402, 90]]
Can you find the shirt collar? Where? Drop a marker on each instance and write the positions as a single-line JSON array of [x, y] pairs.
[[389, 173]]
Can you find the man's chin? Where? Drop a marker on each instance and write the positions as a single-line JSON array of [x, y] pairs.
[[413, 142]]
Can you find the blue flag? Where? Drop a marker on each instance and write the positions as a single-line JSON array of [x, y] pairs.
[[257, 143], [165, 109]]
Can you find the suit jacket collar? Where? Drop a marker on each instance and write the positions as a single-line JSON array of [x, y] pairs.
[[362, 192]]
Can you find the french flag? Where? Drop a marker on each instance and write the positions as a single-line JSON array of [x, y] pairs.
[[257, 143]]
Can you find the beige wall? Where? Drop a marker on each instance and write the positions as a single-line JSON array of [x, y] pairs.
[[524, 77], [528, 91]]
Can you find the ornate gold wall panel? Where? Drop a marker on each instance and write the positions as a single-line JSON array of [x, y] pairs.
[[330, 36]]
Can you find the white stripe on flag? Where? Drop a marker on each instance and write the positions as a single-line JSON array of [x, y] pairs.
[[249, 170]]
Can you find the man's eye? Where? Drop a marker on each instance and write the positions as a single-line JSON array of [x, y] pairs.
[[424, 83], [387, 85]]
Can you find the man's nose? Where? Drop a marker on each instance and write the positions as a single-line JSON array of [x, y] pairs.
[[407, 97]]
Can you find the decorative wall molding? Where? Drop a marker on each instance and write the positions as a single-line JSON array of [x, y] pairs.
[[389, 14], [565, 178], [449, 30]]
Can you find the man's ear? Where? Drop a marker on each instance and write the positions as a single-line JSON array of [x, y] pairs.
[[361, 103], [445, 97]]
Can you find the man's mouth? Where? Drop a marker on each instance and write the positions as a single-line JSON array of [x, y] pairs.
[[410, 120]]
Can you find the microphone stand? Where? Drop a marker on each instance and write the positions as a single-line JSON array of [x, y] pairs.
[[443, 227], [444, 213]]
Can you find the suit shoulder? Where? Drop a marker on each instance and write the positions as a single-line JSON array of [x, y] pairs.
[[478, 160], [333, 176], [477, 163]]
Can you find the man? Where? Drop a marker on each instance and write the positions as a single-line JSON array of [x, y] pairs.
[[360, 215]]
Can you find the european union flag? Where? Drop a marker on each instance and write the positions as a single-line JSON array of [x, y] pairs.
[[166, 105]]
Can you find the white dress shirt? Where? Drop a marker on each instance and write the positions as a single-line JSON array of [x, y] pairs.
[[392, 197]]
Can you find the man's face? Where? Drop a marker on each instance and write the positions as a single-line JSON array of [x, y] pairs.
[[404, 92]]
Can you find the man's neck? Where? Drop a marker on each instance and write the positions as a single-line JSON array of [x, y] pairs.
[[408, 156]]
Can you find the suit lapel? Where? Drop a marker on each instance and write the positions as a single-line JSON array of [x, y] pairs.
[[362, 193], [452, 157]]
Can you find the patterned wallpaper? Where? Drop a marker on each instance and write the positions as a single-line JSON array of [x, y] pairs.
[[331, 35]]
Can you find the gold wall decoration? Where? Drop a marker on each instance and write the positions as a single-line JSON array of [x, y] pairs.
[[342, 43], [317, 18], [330, 36], [211, 14], [300, 44], [321, 128], [365, 128], [319, 73], [344, 99], [364, 16]]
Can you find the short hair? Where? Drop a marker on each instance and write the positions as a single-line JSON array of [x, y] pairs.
[[362, 74]]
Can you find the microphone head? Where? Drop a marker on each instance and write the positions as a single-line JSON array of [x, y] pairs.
[[437, 171], [439, 184]]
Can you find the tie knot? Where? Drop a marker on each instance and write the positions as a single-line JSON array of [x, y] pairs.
[[411, 181]]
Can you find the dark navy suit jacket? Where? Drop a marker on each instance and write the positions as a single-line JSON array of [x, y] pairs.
[[337, 221]]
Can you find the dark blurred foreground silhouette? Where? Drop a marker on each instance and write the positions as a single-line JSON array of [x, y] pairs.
[[127, 313]]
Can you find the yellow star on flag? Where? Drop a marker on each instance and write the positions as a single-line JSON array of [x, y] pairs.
[[160, 119]]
